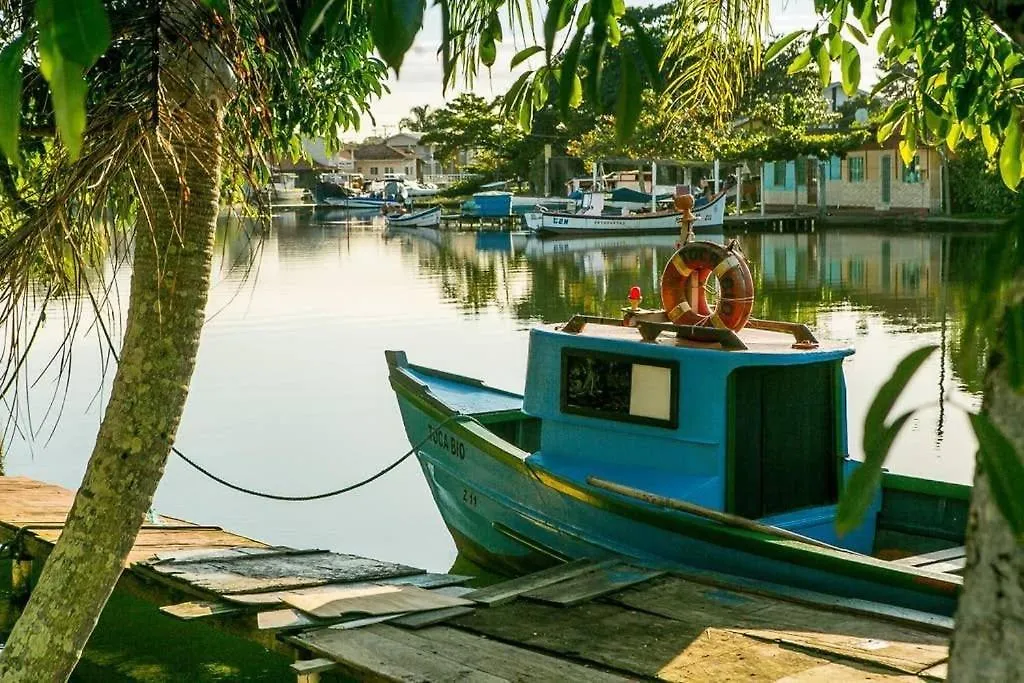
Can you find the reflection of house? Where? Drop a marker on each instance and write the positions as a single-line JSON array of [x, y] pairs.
[[373, 161], [894, 267]]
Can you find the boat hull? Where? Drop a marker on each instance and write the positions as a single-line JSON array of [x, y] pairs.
[[357, 202], [427, 218], [511, 515], [709, 219]]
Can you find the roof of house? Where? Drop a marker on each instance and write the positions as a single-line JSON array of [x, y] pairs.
[[415, 137], [374, 152]]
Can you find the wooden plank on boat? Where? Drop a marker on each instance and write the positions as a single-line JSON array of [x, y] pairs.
[[367, 656], [508, 590], [372, 600], [926, 559], [421, 580], [601, 580], [499, 659], [956, 566], [200, 609], [275, 572], [939, 672]]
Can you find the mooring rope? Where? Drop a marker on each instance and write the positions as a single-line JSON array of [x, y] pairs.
[[326, 494]]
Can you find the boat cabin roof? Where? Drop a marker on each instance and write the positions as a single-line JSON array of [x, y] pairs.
[[755, 340]]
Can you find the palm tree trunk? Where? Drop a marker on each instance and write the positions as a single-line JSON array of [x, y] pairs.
[[988, 644], [179, 191]]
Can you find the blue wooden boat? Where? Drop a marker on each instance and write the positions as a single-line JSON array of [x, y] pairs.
[[679, 445]]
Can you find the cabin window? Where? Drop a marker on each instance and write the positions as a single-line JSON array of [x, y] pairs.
[[856, 167], [782, 439], [373, 170], [621, 388]]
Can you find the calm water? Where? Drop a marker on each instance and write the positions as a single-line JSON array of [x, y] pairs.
[[290, 394]]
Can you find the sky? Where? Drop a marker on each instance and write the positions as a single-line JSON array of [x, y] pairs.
[[419, 81]]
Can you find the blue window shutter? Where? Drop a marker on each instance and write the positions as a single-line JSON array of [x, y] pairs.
[[835, 168], [790, 175], [769, 174]]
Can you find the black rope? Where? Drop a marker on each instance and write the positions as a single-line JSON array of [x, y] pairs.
[[327, 494]]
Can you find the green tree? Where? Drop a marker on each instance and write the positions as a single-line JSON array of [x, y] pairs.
[[418, 119], [178, 104], [467, 123]]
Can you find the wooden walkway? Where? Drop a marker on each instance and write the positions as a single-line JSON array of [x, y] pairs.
[[588, 620]]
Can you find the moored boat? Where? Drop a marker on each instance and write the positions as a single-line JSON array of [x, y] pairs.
[[709, 218], [682, 445], [282, 190], [424, 218]]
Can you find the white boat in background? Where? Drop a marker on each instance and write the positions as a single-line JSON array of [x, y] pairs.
[[592, 220], [282, 190], [416, 189], [425, 218]]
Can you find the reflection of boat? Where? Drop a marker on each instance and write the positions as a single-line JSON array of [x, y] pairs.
[[710, 449], [282, 190], [581, 244], [424, 218], [593, 221], [345, 215]]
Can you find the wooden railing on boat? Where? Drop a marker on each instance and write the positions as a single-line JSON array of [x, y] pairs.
[[651, 324]]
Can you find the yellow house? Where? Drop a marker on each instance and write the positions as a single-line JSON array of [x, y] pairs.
[[872, 177]]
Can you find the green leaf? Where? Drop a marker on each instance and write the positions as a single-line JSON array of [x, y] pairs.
[[864, 482], [584, 16], [953, 136], [66, 80], [878, 439], [618, 7], [885, 399], [1009, 155], [781, 44], [551, 24], [903, 18], [576, 92], [884, 38], [488, 48], [989, 139], [835, 43], [869, 19], [824, 65], [1005, 470], [838, 14], [10, 98], [513, 98], [526, 111], [801, 61], [314, 16], [856, 33], [570, 65], [885, 81], [524, 54], [627, 107], [394, 26], [648, 52], [850, 68], [614, 32], [81, 30]]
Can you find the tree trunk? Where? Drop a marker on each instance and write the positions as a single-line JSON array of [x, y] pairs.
[[988, 644], [179, 191]]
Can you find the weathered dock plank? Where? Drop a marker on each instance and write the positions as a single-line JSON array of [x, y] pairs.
[[372, 600], [509, 590], [601, 580]]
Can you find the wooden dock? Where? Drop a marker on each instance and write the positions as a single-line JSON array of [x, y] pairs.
[[589, 620]]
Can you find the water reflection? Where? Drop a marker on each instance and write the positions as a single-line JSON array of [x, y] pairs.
[[291, 394]]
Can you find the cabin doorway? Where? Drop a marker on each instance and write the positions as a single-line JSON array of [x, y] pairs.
[[812, 181]]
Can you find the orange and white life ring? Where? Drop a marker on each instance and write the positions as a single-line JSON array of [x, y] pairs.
[[683, 293]]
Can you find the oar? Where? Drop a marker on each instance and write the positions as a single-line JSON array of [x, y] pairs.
[[707, 513]]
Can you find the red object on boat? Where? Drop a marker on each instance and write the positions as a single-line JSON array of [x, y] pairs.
[[634, 293]]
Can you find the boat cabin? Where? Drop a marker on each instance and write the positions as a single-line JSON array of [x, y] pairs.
[[752, 424]]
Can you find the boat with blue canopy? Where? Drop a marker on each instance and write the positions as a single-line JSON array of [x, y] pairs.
[[690, 436]]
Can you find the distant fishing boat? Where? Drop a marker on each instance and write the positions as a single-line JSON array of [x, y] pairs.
[[282, 190], [424, 218], [671, 437], [592, 220]]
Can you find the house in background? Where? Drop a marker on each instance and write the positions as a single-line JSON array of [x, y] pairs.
[[872, 177], [374, 161]]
